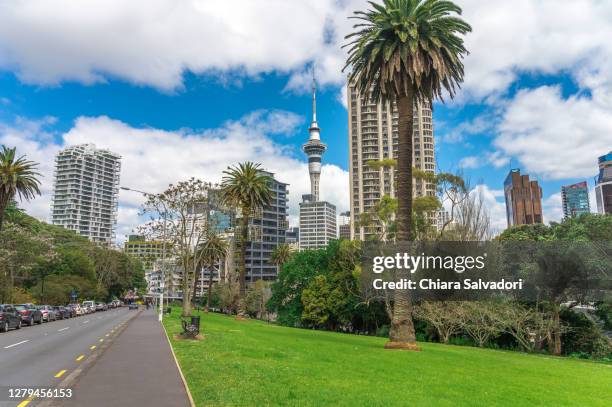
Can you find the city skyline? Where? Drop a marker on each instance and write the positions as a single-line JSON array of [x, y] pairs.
[[544, 109]]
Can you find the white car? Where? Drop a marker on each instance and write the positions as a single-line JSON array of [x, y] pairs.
[[89, 306]]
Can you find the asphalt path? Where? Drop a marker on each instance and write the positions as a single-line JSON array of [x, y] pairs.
[[40, 356]]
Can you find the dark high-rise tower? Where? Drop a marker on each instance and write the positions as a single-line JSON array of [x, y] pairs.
[[523, 199]]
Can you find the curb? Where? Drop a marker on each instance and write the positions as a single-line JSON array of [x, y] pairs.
[[74, 376], [191, 402]]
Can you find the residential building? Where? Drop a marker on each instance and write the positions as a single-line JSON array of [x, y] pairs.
[[86, 187], [292, 238], [317, 223], [523, 199], [603, 184], [373, 136], [575, 199], [267, 228], [147, 251], [344, 227], [317, 218]]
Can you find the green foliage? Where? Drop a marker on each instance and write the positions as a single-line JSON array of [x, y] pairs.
[[48, 262]]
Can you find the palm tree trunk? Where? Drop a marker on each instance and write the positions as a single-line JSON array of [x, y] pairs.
[[402, 334], [210, 283], [242, 275], [2, 209]]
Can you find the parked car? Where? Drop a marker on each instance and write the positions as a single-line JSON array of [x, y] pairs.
[[48, 313], [62, 312], [9, 317], [133, 305], [30, 315], [89, 306], [71, 311], [101, 306], [78, 310]]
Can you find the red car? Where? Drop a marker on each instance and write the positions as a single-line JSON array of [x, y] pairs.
[[29, 314]]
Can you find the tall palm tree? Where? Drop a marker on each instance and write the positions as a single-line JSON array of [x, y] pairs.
[[406, 52], [18, 177], [247, 187], [280, 255], [213, 249]]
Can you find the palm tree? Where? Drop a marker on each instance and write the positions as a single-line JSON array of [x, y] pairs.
[[18, 176], [280, 255], [247, 187], [212, 249], [406, 52]]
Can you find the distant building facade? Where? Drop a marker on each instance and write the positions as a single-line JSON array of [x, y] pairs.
[[86, 187], [292, 238], [267, 230], [147, 251], [575, 199], [523, 199], [603, 185], [317, 223], [373, 136], [344, 228]]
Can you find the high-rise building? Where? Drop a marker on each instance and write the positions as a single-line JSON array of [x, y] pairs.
[[603, 184], [344, 227], [523, 199], [86, 186], [267, 229], [317, 223], [317, 218], [373, 136], [147, 251], [575, 199]]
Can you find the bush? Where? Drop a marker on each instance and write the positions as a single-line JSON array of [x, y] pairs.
[[383, 331]]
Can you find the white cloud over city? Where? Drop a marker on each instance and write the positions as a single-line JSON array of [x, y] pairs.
[[153, 158]]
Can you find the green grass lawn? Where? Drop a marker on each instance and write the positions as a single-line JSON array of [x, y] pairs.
[[255, 363]]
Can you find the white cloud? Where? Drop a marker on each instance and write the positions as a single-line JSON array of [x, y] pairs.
[[153, 158], [493, 200], [469, 162], [152, 42], [553, 137], [552, 208]]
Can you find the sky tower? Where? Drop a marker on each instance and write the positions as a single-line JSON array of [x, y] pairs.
[[314, 148]]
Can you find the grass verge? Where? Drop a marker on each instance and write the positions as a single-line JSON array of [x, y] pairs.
[[255, 363]]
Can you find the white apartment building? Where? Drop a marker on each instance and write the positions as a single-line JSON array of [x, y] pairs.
[[86, 186], [317, 223], [373, 136]]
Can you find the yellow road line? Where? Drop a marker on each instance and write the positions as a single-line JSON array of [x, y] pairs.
[[101, 339], [25, 402], [60, 373], [92, 347], [107, 335], [80, 358]]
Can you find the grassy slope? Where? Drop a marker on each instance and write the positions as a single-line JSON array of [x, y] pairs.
[[254, 363]]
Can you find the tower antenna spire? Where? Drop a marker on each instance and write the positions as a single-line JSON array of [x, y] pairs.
[[314, 95]]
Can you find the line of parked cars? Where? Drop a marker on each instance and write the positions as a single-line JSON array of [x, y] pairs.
[[16, 316]]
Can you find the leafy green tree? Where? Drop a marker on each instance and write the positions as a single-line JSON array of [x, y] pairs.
[[18, 177], [316, 302], [248, 188], [291, 281]]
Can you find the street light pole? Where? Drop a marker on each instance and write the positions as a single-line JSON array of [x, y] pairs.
[[162, 284]]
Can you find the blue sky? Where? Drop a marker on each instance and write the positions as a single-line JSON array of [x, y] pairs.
[[184, 90]]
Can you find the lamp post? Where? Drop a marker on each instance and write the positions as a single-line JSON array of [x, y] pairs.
[[163, 268]]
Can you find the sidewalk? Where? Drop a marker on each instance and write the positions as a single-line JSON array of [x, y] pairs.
[[137, 369]]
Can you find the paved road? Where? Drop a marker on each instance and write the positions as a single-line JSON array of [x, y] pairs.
[[42, 355]]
